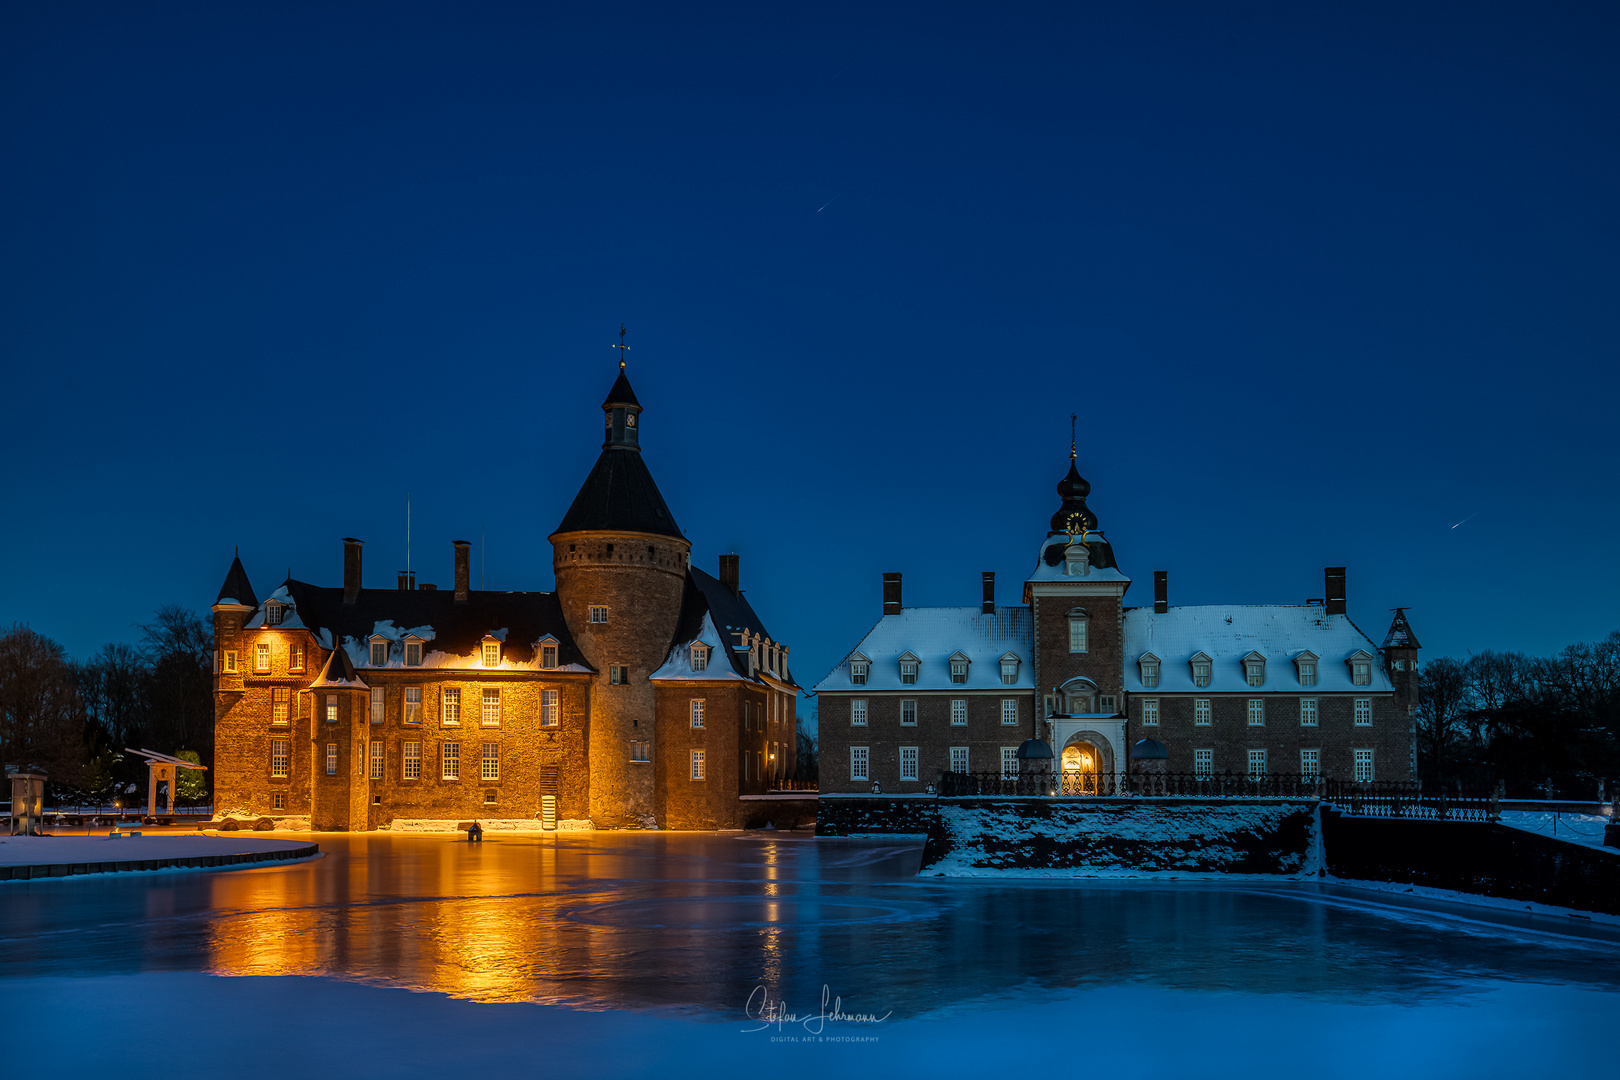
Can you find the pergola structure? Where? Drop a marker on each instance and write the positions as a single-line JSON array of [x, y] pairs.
[[160, 768]]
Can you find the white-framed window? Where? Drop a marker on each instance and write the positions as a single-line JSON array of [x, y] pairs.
[[1307, 712], [1077, 632], [279, 757], [279, 696], [261, 657], [376, 759], [548, 655], [451, 710], [1400, 665], [859, 759], [858, 671], [1202, 669], [959, 668], [230, 661], [272, 613], [640, 749], [413, 653], [413, 705], [1009, 762], [1150, 670], [1009, 711], [857, 712], [1150, 712], [697, 712], [959, 759], [331, 759], [618, 675], [1009, 670], [908, 670], [958, 712], [699, 765], [1310, 762], [377, 705], [490, 797], [548, 708], [908, 763], [1201, 711], [1105, 703], [1364, 766], [379, 653], [295, 657], [1257, 711], [331, 708], [908, 712], [411, 761], [490, 711], [1360, 669], [492, 654], [278, 800], [1363, 711], [489, 763], [598, 614], [1254, 669], [1203, 762], [450, 761], [700, 658], [1257, 763], [1307, 669]]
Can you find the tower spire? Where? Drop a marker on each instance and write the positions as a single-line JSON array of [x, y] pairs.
[[1071, 436], [622, 347]]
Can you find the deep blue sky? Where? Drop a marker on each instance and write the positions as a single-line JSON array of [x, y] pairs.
[[1321, 281]]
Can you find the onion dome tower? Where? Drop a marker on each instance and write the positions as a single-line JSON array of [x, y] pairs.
[[1074, 521], [620, 562]]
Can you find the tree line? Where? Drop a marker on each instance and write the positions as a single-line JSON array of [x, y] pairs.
[[1543, 726], [73, 719]]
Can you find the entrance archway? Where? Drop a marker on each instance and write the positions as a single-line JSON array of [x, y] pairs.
[[1082, 765]]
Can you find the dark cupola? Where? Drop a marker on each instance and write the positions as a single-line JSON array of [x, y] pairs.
[[619, 494], [623, 415], [1075, 522], [1074, 516]]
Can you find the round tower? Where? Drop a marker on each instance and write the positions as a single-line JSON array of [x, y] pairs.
[[620, 562]]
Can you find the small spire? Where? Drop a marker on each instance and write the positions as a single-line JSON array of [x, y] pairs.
[[1071, 437], [622, 347]]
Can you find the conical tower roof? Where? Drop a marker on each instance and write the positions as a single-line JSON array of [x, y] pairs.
[[1400, 634], [619, 494], [338, 673], [237, 589]]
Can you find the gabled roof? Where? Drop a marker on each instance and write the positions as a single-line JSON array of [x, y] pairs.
[[236, 589], [709, 609], [619, 495]]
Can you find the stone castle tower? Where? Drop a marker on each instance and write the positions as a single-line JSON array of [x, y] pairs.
[[620, 562]]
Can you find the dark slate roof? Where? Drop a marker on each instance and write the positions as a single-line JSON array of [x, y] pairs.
[[1400, 634], [1149, 750], [621, 394], [457, 628], [236, 589], [730, 611], [338, 671], [619, 494]]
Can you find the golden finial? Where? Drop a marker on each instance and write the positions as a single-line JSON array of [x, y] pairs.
[[622, 346]]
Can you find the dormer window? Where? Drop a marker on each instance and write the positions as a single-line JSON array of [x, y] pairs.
[[491, 652], [1360, 663], [1150, 669], [859, 667], [959, 668], [379, 651], [1009, 669], [272, 613], [1306, 663], [548, 653], [1203, 669], [908, 669], [1077, 630], [1254, 669], [413, 652], [700, 658]]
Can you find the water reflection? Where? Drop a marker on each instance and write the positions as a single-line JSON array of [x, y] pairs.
[[698, 922]]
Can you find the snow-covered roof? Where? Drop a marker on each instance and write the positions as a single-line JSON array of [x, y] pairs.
[[1229, 632], [1046, 572], [289, 613], [679, 664], [932, 635]]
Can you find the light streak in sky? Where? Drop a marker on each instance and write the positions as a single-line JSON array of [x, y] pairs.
[[1469, 518]]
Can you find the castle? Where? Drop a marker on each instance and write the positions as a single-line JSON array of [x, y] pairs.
[[1107, 689], [641, 693]]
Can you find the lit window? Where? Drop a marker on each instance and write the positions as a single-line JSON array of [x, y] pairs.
[[697, 712], [278, 757], [1307, 712], [261, 657], [1310, 762], [272, 614], [492, 654], [959, 668], [1306, 662], [908, 763], [1201, 711], [1202, 668], [452, 707], [490, 714], [958, 712], [331, 708], [1009, 710], [1150, 670], [1254, 669], [450, 761], [376, 704], [413, 704], [411, 768], [230, 662], [618, 674], [858, 763], [490, 763], [548, 708], [1009, 670], [598, 614], [376, 759], [413, 654], [857, 712], [1363, 711], [1203, 762], [640, 750], [1257, 711], [1257, 763], [1077, 631], [1009, 762], [1364, 766], [908, 712], [700, 658], [1150, 712], [548, 656], [698, 765], [959, 759], [908, 669], [278, 801], [490, 797], [331, 759], [278, 705], [295, 658], [379, 654]]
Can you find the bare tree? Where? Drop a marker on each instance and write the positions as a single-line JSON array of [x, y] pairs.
[[178, 646], [1444, 700], [41, 718]]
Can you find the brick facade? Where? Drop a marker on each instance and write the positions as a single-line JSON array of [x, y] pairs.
[[983, 735]]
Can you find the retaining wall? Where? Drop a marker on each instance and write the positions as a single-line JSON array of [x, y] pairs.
[[37, 871]]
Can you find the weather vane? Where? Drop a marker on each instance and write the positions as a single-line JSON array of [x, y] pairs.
[[1071, 436], [621, 345]]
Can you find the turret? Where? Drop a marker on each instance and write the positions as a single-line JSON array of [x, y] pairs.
[[1400, 659]]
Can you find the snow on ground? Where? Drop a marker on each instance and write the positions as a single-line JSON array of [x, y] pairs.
[[1576, 828], [50, 850]]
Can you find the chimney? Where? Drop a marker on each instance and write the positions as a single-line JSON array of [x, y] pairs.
[[463, 575], [729, 573], [404, 581], [1334, 576], [891, 594], [351, 570], [1161, 591], [989, 605]]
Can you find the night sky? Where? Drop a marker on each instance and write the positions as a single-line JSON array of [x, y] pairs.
[[1320, 280]]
